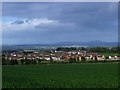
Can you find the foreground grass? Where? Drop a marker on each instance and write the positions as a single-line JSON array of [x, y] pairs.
[[100, 75]]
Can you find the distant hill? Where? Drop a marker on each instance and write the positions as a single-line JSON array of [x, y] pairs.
[[82, 44], [89, 44]]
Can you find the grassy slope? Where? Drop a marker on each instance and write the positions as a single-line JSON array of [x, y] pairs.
[[66, 76]]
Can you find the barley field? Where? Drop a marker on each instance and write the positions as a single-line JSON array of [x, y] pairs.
[[86, 75]]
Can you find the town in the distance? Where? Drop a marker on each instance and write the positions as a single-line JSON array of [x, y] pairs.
[[60, 55]]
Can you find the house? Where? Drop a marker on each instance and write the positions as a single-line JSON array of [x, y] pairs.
[[100, 57], [56, 58]]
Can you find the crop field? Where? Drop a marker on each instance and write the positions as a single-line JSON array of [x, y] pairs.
[[86, 75]]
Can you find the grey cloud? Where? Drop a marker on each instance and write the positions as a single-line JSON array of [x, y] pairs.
[[91, 21], [18, 22]]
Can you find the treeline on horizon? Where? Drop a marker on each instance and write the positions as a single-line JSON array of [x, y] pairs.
[[92, 49], [67, 49]]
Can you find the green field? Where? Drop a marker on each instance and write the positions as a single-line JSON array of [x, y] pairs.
[[87, 75]]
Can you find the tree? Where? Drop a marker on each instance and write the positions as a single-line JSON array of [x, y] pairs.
[[72, 60], [27, 61], [83, 59], [13, 62], [5, 62], [51, 60], [33, 61], [22, 61], [95, 58]]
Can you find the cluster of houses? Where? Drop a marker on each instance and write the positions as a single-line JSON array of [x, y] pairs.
[[57, 56]]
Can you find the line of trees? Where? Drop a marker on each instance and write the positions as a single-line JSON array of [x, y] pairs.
[[92, 49], [66, 48], [29, 62], [22, 62], [38, 61], [105, 49]]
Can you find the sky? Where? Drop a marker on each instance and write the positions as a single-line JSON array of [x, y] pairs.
[[52, 22]]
